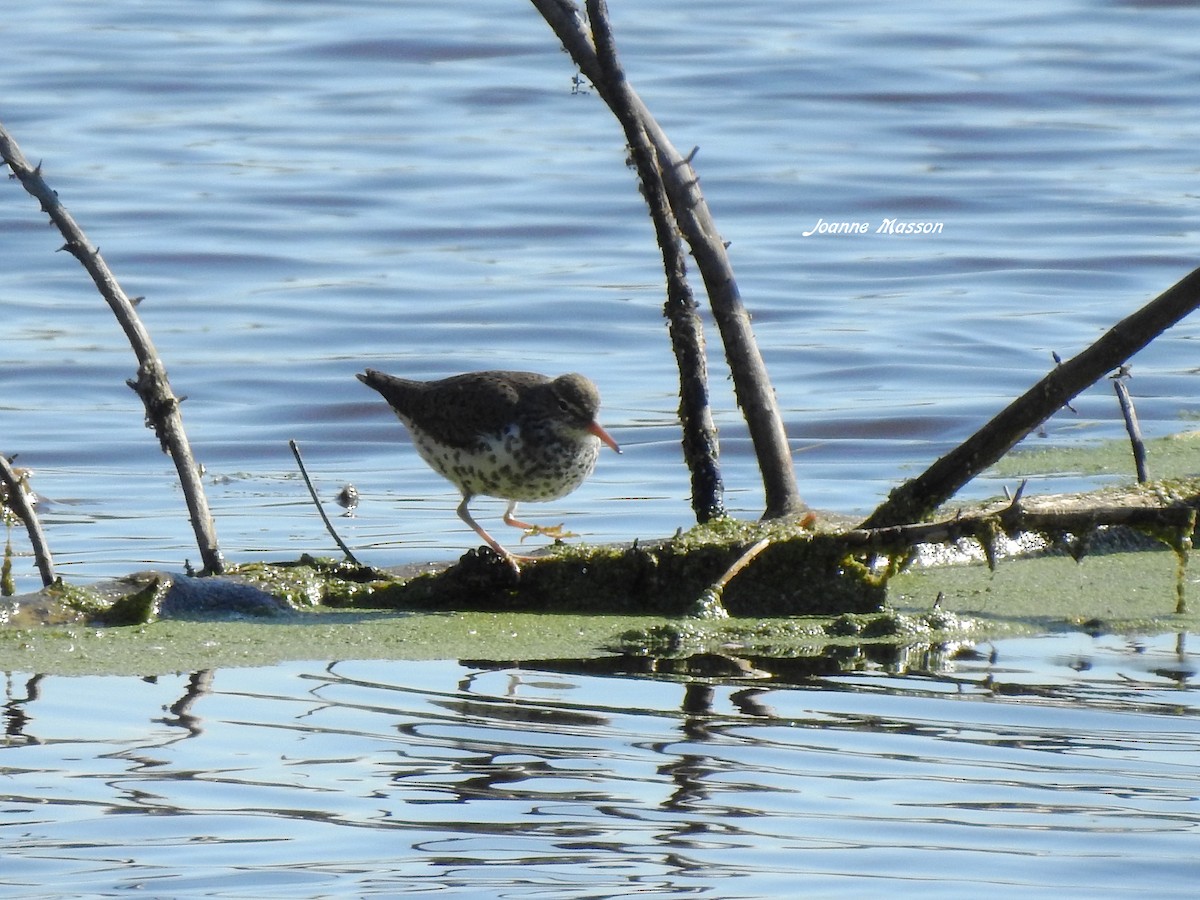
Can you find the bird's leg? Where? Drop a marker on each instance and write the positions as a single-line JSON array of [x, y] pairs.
[[551, 531], [510, 519], [465, 514]]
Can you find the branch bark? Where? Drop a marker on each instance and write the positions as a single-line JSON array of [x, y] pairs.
[[701, 449], [751, 383], [1015, 520], [162, 406], [918, 497]]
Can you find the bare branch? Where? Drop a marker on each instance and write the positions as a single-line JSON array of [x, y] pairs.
[[918, 497], [752, 384], [162, 407]]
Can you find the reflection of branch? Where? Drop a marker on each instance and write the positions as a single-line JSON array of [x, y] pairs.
[[162, 406], [751, 383], [199, 685], [918, 497], [14, 709], [16, 498]]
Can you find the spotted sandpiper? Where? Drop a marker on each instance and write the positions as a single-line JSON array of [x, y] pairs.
[[514, 435]]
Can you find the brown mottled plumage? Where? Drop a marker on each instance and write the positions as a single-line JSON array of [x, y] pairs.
[[515, 435]]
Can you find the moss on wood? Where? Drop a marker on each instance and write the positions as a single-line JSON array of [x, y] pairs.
[[801, 573]]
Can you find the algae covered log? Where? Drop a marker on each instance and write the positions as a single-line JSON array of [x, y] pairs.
[[797, 572], [803, 575]]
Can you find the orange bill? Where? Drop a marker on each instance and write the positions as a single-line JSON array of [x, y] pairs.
[[599, 432]]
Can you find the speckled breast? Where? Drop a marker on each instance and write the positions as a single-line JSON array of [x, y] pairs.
[[507, 466]]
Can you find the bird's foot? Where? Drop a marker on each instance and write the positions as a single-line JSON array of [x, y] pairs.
[[550, 531]]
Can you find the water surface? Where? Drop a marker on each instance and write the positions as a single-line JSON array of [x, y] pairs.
[[303, 191], [1058, 766]]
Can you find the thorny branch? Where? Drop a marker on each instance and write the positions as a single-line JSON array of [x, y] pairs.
[[162, 406]]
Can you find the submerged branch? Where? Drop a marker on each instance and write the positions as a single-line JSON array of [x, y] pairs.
[[162, 406]]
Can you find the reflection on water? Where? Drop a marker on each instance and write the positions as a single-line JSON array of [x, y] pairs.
[[1062, 765]]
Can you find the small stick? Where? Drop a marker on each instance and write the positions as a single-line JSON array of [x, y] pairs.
[[313, 493], [709, 604], [1131, 422], [742, 561], [18, 501]]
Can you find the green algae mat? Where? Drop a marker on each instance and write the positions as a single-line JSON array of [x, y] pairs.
[[930, 612]]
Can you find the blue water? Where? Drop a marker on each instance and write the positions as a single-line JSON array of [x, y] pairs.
[[1055, 767], [301, 190]]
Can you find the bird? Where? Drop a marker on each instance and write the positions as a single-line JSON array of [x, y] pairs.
[[518, 436]]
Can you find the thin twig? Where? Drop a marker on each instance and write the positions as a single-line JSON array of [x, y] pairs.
[[709, 605], [742, 561], [1131, 423], [18, 502], [316, 501]]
